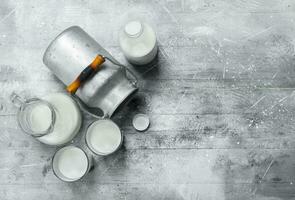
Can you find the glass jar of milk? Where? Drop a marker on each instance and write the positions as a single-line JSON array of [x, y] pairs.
[[138, 42], [54, 120]]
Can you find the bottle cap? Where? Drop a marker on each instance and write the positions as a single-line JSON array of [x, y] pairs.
[[133, 28], [141, 122]]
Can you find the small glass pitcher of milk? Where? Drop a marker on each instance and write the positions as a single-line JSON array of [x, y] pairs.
[[54, 120], [35, 116]]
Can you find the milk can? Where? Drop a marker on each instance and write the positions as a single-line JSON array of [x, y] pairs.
[[68, 55]]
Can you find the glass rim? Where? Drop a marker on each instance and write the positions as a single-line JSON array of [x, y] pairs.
[[89, 146], [84, 174], [31, 132]]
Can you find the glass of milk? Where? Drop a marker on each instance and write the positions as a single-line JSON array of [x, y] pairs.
[[35, 116], [103, 137], [71, 163]]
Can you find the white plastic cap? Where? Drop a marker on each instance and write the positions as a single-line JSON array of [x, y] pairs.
[[133, 28], [141, 122]]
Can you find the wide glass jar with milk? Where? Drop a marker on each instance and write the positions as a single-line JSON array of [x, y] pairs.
[[103, 137]]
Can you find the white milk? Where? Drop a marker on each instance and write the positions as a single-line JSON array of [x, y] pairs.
[[67, 122], [70, 163], [103, 137], [138, 42], [40, 118]]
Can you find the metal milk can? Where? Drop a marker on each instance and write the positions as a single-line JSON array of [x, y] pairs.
[[71, 51]]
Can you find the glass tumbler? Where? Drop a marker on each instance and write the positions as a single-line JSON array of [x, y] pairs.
[[71, 163], [35, 117], [103, 137]]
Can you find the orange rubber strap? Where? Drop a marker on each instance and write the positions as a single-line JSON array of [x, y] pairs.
[[85, 74]]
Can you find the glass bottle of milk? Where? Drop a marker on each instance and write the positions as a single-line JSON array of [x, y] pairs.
[[138, 42]]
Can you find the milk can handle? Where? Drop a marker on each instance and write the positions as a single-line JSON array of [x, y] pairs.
[[85, 74], [135, 80], [86, 108]]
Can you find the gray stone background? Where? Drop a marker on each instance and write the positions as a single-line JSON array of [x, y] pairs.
[[220, 97]]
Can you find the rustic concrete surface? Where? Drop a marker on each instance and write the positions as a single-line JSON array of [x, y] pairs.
[[220, 97]]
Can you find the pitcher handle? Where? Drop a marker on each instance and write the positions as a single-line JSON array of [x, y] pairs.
[[17, 100], [135, 80]]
